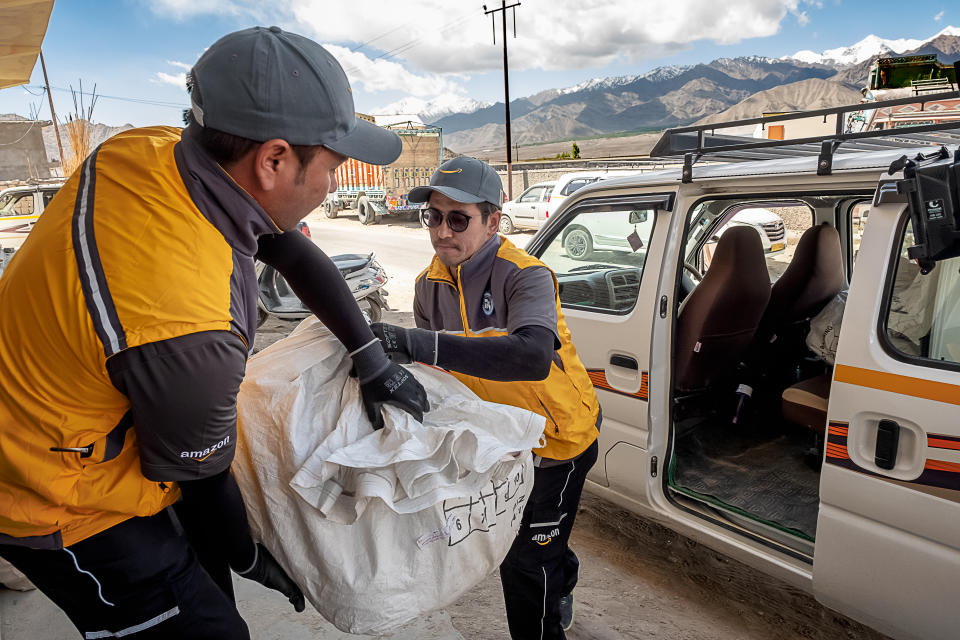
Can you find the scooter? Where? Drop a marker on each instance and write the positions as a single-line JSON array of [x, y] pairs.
[[364, 275]]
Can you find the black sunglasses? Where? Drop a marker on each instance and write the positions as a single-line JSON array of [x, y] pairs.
[[456, 220]]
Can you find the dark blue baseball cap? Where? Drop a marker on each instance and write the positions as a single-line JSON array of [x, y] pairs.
[[265, 83], [465, 180]]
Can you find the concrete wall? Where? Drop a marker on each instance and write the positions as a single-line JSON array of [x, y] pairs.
[[22, 154]]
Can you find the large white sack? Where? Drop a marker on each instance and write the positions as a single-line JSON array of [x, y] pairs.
[[377, 527], [824, 335]]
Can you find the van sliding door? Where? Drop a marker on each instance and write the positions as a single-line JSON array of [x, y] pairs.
[[888, 533]]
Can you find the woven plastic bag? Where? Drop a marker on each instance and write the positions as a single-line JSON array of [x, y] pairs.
[[825, 329], [380, 527]]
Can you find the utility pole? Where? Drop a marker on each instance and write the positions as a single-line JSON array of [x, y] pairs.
[[53, 114], [506, 79]]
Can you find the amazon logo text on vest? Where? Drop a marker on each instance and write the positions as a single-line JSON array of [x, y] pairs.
[[200, 456], [545, 538]]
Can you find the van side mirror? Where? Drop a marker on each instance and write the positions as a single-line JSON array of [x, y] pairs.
[[638, 217]]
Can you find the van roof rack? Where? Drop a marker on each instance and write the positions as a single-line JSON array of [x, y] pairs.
[[696, 141]]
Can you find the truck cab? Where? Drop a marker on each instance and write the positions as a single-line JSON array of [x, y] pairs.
[[834, 469]]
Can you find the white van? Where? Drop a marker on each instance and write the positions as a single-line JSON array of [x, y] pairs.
[[841, 478], [20, 207]]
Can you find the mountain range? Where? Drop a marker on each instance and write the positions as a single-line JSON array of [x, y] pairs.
[[678, 95]]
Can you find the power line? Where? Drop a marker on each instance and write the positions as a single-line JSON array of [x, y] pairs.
[[409, 44], [156, 103]]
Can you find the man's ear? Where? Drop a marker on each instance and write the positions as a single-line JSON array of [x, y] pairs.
[[493, 222], [269, 162]]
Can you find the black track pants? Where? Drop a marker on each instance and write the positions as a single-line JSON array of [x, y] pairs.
[[540, 568], [138, 579]]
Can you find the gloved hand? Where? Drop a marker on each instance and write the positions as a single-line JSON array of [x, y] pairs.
[[407, 345], [396, 386], [268, 572]]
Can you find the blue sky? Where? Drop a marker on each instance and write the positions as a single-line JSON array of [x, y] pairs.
[[133, 50]]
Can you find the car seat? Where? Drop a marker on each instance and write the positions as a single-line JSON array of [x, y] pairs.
[[811, 280], [717, 321], [813, 277]]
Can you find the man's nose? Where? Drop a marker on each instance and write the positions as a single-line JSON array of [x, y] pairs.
[[443, 231]]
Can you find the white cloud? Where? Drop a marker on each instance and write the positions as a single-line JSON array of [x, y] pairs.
[[938, 17], [387, 75], [430, 37], [176, 79], [181, 65], [803, 19]]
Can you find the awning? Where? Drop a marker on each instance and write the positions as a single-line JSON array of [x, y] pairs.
[[23, 24]]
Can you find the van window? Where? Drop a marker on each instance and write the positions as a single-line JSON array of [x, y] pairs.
[[575, 184], [17, 204], [532, 195], [858, 220], [923, 311], [779, 226], [598, 256], [48, 196]]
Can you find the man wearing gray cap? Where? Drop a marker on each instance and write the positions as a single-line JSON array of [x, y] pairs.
[[118, 411], [479, 285]]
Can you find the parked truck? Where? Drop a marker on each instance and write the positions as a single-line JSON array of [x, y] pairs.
[[375, 191]]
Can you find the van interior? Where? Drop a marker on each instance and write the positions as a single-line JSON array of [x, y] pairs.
[[749, 395]]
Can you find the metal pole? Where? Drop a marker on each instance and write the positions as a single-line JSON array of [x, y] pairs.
[[53, 114], [506, 84], [506, 102]]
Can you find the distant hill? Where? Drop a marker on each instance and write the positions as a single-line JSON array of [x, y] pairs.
[[796, 96], [679, 95], [100, 133], [665, 97]]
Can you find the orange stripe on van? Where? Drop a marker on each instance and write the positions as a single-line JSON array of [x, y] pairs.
[[942, 465], [599, 379], [943, 444], [837, 451], [835, 430], [902, 385]]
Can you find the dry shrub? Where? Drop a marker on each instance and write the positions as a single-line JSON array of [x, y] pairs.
[[79, 126]]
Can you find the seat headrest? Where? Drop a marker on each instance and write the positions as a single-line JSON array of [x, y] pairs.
[[813, 277]]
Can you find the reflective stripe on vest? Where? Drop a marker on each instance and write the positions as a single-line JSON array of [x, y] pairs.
[[92, 281]]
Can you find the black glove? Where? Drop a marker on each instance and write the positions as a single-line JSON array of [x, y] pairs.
[[268, 572], [407, 345], [396, 386]]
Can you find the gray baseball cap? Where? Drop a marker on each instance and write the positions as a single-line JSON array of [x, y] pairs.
[[463, 179], [265, 83]]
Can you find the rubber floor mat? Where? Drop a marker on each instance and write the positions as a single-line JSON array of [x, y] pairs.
[[761, 475]]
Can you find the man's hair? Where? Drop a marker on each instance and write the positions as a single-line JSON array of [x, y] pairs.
[[486, 208], [227, 148]]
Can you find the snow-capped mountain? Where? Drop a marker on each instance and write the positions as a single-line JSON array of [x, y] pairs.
[[654, 75], [870, 47], [432, 110]]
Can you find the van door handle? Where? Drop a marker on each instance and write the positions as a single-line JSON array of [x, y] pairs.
[[624, 361], [888, 439]]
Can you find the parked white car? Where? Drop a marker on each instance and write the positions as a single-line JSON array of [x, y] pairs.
[[611, 232], [570, 182], [528, 210]]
